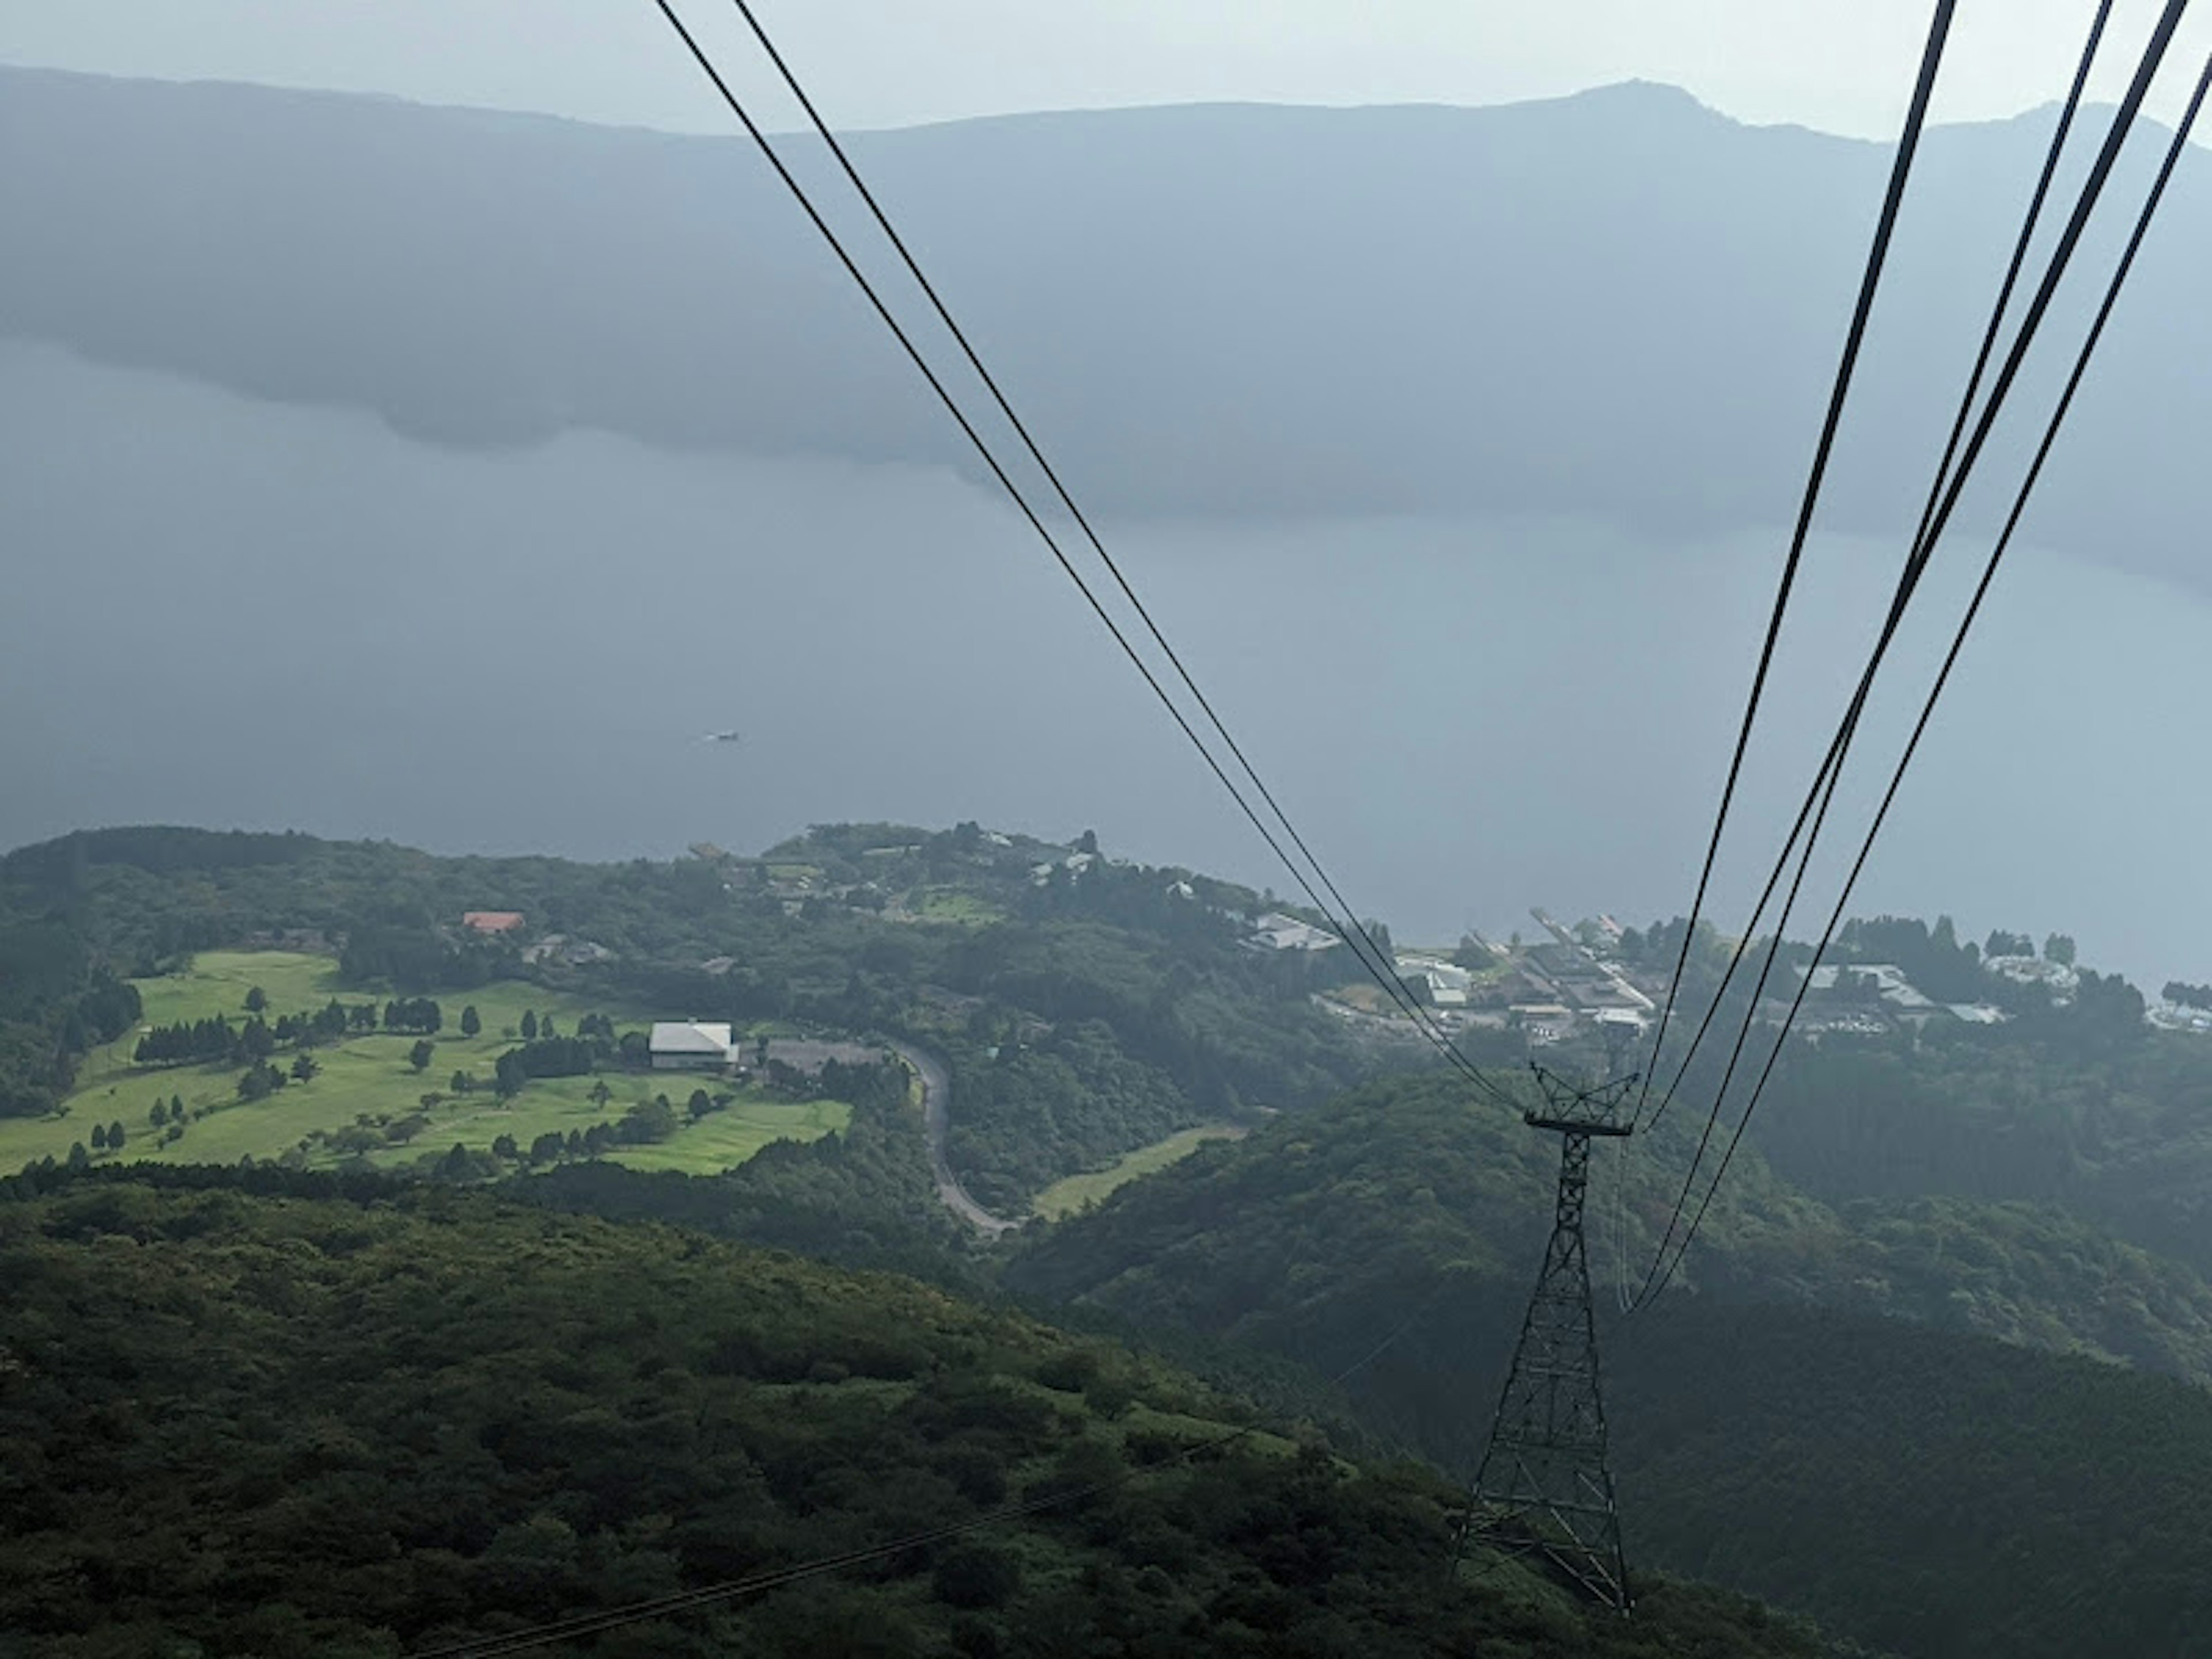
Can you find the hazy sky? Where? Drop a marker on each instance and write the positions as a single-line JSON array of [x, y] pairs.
[[1842, 65]]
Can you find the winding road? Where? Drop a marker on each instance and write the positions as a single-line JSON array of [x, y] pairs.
[[936, 1120]]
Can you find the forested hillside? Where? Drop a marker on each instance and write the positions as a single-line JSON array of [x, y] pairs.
[[291, 1422], [1895, 1476], [1384, 1193], [1824, 1367], [1083, 1007]]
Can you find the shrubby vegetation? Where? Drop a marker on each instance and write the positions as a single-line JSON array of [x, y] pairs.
[[309, 1424]]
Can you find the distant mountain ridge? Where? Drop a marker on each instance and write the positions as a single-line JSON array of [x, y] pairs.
[[1618, 303]]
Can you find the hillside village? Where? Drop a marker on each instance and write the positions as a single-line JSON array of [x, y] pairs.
[[1593, 978]]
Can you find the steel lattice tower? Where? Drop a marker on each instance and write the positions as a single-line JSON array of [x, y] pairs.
[[1544, 1487]]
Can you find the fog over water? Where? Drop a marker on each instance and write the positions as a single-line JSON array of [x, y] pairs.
[[229, 612]]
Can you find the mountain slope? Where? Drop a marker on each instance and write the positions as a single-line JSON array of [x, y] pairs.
[[1914, 1484], [1619, 303], [1290, 1239], [301, 1425]]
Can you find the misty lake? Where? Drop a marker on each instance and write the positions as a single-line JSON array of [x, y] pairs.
[[227, 612]]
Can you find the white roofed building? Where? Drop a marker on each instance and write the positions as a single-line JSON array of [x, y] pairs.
[[1276, 932], [689, 1045]]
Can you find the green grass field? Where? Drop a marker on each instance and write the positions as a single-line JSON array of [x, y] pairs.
[[950, 904], [1078, 1192], [370, 1076]]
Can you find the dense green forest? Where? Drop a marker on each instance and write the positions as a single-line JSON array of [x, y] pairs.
[[279, 1417], [1391, 1185], [1906, 1480]]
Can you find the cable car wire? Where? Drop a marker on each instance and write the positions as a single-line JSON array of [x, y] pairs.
[[1354, 937], [1900, 170], [2005, 290], [1037, 454], [1661, 1274], [1959, 638]]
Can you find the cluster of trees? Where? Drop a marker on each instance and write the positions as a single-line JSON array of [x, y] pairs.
[[57, 1003], [1148, 1035], [208, 1040], [645, 1124], [548, 1056], [326, 1025], [414, 1014], [863, 1196], [2188, 996], [262, 1079], [214, 1040], [1030, 1113], [556, 1485], [419, 956]]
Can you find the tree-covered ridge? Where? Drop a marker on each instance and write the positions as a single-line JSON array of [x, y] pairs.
[[289, 1424], [1898, 1479], [2118, 1126], [1398, 1186]]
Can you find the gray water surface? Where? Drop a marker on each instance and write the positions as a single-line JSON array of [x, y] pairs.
[[226, 612]]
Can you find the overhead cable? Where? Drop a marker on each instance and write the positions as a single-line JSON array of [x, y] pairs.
[[1908, 146], [1037, 454], [1990, 333], [1354, 936], [1664, 1268], [2122, 124]]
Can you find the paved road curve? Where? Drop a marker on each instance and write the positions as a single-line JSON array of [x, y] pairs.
[[936, 1117]]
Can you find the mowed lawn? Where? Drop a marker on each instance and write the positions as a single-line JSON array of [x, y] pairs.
[[370, 1076], [950, 904], [1079, 1192]]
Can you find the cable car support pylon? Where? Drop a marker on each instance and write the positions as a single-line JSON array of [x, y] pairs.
[[1544, 1488]]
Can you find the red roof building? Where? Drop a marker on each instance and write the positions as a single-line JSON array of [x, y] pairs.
[[492, 922]]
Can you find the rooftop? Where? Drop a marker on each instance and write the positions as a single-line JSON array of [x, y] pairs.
[[685, 1037]]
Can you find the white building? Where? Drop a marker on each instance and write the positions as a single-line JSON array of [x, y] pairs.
[[1276, 932], [1447, 984], [688, 1045]]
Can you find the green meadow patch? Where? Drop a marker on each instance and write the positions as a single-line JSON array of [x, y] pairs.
[[365, 1085], [1079, 1192]]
